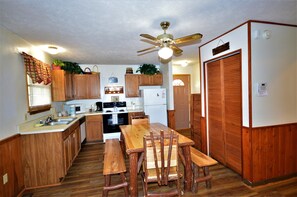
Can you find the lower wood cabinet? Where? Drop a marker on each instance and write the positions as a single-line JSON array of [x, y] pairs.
[[71, 147], [94, 127], [48, 156]]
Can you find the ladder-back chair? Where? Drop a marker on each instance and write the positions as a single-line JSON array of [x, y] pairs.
[[160, 162]]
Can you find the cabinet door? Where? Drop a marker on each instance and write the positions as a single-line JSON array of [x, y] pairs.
[[93, 84], [80, 89], [68, 85], [59, 85], [67, 153], [132, 85], [77, 143], [94, 128], [145, 80], [157, 79]]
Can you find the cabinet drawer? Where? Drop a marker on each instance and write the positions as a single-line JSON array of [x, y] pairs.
[[68, 131], [94, 118]]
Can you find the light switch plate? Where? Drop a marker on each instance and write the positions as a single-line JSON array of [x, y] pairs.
[[5, 179]]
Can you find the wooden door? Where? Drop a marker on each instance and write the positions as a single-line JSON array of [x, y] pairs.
[[233, 117], [215, 111], [182, 102], [224, 110]]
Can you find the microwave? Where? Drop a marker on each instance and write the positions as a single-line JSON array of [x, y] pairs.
[[78, 108]]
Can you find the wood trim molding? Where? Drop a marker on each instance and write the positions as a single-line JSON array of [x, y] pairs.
[[203, 135], [171, 119]]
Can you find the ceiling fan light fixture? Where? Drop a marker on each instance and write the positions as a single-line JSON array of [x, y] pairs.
[[165, 53]]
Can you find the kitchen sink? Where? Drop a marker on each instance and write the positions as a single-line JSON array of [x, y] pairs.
[[60, 121]]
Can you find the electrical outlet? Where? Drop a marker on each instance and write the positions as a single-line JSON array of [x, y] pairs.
[[5, 179]]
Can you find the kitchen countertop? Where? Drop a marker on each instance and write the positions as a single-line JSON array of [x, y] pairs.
[[30, 128]]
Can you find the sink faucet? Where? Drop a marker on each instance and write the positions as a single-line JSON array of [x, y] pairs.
[[48, 119]]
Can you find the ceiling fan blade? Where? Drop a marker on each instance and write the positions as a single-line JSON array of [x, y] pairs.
[[143, 50], [188, 38], [149, 37], [176, 50]]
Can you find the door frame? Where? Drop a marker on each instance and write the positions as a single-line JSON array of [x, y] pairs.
[[206, 134]]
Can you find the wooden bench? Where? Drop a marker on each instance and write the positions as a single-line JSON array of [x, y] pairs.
[[114, 163], [200, 160]]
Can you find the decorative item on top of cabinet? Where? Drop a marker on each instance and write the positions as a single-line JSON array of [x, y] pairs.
[[132, 85], [94, 127], [61, 85], [86, 86]]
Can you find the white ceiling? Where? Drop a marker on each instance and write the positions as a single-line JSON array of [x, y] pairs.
[[107, 31]]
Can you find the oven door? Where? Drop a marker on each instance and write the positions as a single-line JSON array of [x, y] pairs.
[[111, 122]]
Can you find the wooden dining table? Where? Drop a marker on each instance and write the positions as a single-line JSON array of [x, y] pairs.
[[132, 138]]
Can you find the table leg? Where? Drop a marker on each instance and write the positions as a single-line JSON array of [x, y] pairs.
[[133, 160], [187, 170]]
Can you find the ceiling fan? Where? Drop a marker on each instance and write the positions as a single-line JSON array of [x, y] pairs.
[[167, 43]]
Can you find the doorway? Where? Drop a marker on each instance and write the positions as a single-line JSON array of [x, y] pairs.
[[224, 106], [182, 90]]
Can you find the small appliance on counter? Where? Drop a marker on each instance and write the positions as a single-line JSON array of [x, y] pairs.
[[99, 107], [73, 109]]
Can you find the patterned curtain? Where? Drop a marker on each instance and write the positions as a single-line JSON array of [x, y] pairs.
[[37, 70]]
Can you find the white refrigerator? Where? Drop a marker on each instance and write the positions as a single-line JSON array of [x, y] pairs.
[[154, 104]]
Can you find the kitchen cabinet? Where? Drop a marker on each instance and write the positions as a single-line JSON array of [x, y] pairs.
[[133, 81], [86, 86], [61, 85], [94, 127], [48, 156], [71, 147], [147, 80], [132, 85]]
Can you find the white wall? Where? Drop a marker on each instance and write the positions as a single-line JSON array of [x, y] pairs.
[[238, 40], [13, 95], [118, 71], [274, 61], [193, 70]]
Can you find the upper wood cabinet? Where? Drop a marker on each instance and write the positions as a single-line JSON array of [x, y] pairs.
[[150, 80], [61, 86], [86, 86], [132, 85]]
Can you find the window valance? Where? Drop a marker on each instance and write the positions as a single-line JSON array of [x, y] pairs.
[[37, 70]]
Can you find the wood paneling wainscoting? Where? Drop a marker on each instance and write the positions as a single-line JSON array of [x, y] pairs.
[[269, 153], [11, 163], [171, 118]]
